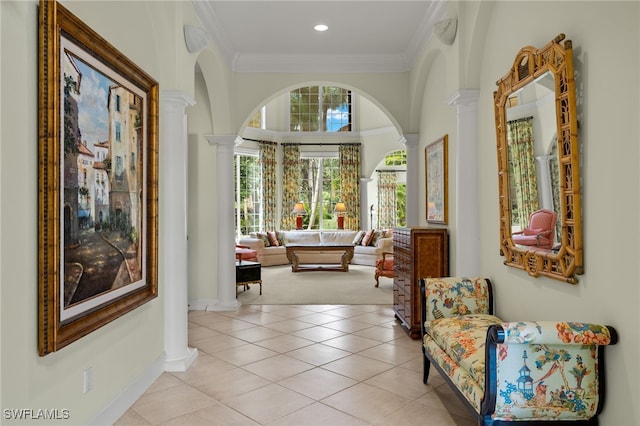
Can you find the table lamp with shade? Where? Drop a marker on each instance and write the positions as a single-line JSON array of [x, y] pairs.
[[298, 210], [340, 209]]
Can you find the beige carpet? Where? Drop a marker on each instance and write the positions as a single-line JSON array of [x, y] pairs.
[[280, 286]]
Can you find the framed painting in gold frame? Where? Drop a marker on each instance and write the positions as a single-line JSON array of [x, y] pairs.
[[97, 181], [436, 181]]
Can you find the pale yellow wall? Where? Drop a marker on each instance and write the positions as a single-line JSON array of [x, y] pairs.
[[124, 349], [605, 40], [202, 207], [438, 118]]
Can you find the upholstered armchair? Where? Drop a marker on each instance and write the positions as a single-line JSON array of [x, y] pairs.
[[384, 267], [540, 232], [246, 253]]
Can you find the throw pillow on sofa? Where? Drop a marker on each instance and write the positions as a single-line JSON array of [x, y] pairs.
[[264, 238], [368, 236], [281, 238], [273, 239], [357, 240], [376, 236]]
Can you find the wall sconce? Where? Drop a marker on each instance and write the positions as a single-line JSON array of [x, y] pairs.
[[340, 209], [195, 38], [446, 30], [298, 210]]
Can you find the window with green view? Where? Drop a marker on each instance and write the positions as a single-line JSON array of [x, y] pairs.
[[248, 200], [320, 191]]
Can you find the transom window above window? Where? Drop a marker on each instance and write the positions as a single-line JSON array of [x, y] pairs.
[[320, 109], [257, 121]]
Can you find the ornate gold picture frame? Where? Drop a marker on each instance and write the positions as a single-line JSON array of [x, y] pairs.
[[436, 163], [97, 181]]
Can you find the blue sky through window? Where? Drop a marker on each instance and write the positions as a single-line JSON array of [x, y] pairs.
[[337, 118]]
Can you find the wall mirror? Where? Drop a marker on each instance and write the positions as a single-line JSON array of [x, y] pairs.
[[538, 163]]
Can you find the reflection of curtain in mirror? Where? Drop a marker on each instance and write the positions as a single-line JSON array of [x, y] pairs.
[[387, 207], [522, 169], [268, 163], [349, 155], [290, 184], [554, 171]]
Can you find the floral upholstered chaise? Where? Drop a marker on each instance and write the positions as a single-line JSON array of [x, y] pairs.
[[530, 372]]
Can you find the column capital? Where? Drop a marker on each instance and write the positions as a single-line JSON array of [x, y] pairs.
[[224, 140], [465, 97], [409, 140], [178, 98]]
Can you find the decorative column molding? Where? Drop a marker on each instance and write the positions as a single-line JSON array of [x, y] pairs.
[[173, 228], [467, 235], [411, 142], [226, 238]]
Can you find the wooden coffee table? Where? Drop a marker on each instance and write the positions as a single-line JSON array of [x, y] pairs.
[[294, 249]]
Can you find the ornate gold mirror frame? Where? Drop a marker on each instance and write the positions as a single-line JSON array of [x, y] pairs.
[[564, 260]]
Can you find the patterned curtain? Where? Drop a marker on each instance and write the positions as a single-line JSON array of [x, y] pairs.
[[349, 156], [269, 198], [290, 184], [554, 171], [522, 169], [387, 207]]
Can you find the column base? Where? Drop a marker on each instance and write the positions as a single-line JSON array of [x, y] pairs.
[[183, 362], [224, 306]]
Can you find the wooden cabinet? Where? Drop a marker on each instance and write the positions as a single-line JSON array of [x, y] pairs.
[[418, 253]]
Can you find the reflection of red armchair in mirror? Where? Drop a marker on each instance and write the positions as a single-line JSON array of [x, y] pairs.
[[540, 232], [384, 266]]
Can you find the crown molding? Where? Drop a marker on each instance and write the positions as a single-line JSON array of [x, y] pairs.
[[437, 11], [213, 28], [310, 63], [320, 63]]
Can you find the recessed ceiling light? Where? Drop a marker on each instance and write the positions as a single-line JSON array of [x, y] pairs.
[[321, 27]]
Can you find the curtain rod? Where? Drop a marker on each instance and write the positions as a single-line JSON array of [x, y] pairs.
[[322, 143], [389, 171], [256, 140], [303, 144], [517, 120]]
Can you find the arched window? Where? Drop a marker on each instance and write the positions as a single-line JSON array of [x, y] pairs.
[[320, 109]]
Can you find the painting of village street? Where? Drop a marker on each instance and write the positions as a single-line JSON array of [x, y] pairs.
[[101, 209]]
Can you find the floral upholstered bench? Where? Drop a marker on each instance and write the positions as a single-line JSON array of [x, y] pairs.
[[530, 372]]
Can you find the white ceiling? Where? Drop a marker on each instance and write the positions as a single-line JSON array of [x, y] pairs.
[[278, 36]]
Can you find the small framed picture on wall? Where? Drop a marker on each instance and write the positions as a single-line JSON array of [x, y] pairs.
[[436, 179]]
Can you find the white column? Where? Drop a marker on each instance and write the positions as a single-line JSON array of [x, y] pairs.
[[467, 230], [226, 237], [173, 228], [545, 190], [364, 203], [410, 142]]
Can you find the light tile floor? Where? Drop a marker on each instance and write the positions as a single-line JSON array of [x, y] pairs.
[[300, 365]]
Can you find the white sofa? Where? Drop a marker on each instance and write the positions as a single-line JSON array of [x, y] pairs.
[[277, 255]]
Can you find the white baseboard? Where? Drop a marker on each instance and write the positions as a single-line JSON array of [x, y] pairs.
[[121, 403], [213, 305], [201, 304]]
